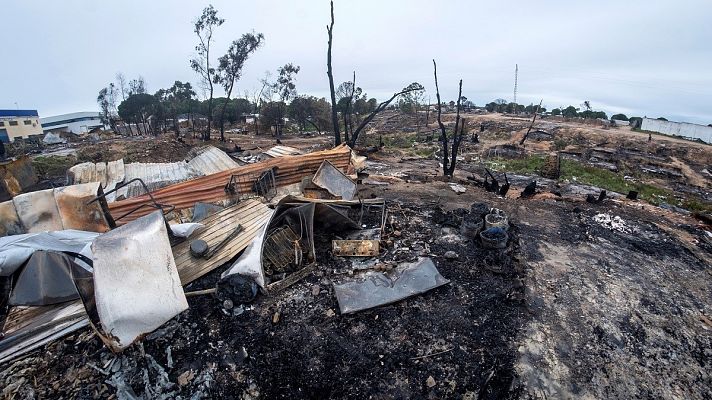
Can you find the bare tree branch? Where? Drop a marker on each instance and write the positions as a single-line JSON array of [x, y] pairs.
[[329, 72]]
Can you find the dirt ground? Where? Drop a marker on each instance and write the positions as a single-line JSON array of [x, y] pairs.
[[608, 300]]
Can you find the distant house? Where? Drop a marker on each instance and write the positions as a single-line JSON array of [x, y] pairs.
[[247, 118], [78, 122], [19, 124]]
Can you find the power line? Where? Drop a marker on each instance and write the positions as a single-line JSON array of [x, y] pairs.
[[516, 73]]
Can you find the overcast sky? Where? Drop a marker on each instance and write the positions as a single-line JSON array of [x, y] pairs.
[[649, 57]]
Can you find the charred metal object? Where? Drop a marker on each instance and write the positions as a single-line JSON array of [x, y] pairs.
[[494, 238], [198, 248]]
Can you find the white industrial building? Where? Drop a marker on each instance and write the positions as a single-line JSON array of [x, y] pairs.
[[78, 122], [683, 129]]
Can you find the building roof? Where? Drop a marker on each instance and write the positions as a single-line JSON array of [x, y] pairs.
[[71, 117], [18, 113]]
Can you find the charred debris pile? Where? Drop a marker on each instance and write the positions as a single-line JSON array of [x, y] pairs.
[[270, 277]]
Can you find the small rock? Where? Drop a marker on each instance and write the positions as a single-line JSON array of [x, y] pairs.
[[186, 377], [397, 233], [275, 317], [459, 189], [228, 304], [451, 255], [315, 290], [430, 382], [330, 313]]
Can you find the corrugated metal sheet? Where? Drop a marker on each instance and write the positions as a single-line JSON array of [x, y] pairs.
[[288, 170], [210, 160], [53, 210], [28, 328], [155, 175], [281, 151], [38, 211], [82, 173], [74, 210], [203, 161], [10, 223]]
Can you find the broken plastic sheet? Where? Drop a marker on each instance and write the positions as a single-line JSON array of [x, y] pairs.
[[136, 284], [186, 229], [46, 279], [16, 250], [376, 288]]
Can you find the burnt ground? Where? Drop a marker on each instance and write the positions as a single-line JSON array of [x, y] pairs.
[[613, 311], [463, 335]]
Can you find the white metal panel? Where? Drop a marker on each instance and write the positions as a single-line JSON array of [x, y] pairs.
[[136, 284]]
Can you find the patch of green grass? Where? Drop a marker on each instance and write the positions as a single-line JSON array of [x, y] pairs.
[[426, 152], [52, 166], [614, 181], [575, 171], [528, 165], [696, 205], [560, 144]]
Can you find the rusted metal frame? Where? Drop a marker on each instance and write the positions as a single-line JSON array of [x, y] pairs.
[[266, 185], [112, 221]]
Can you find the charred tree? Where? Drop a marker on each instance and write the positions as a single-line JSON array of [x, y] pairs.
[[526, 135], [330, 73], [449, 154]]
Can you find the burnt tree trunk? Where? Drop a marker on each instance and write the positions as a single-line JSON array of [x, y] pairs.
[[222, 115], [443, 133], [458, 132], [329, 72], [526, 135]]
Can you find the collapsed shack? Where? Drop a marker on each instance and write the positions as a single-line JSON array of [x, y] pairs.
[[309, 257], [84, 207]]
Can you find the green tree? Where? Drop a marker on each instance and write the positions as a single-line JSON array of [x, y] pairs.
[[286, 89], [204, 29], [570, 112], [107, 104], [137, 108], [175, 100], [556, 111], [230, 68], [272, 114], [310, 110], [620, 117]]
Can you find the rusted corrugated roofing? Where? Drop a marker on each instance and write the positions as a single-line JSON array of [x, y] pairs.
[[288, 170]]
